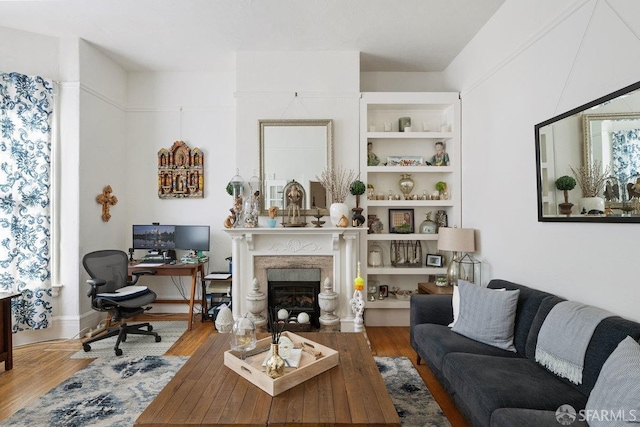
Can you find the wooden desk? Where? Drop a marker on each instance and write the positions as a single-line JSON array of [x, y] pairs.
[[6, 344], [432, 288], [177, 270], [205, 392]]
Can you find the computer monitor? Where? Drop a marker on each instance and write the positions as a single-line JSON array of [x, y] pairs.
[[154, 237], [192, 237]]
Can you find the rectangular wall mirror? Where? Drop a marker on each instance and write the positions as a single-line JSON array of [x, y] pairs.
[[295, 150], [605, 133]]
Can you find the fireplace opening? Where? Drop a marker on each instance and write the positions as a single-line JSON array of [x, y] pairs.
[[296, 290]]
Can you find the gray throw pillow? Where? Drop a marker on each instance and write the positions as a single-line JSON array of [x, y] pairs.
[[487, 315], [617, 389]]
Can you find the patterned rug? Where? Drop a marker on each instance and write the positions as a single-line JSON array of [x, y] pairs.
[[138, 345], [413, 402], [114, 392], [108, 392]]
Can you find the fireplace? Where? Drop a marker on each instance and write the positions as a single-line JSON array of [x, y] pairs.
[[296, 290]]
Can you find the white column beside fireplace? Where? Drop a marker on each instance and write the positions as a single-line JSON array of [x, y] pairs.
[[333, 250]]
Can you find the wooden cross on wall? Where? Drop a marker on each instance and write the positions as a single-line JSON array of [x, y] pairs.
[[106, 200]]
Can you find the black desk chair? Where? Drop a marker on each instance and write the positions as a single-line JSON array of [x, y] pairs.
[[112, 292]]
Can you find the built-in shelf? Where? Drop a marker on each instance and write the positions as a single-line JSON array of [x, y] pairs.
[[383, 110], [389, 302], [406, 270], [405, 203], [409, 169], [399, 236], [410, 135]]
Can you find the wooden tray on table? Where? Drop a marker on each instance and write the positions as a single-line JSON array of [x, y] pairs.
[[252, 370]]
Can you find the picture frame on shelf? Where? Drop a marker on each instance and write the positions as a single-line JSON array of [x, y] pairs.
[[434, 260], [384, 291], [401, 221]]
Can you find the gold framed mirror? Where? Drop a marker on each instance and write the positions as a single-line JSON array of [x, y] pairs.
[[295, 150]]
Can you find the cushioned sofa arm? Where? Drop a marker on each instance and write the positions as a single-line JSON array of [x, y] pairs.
[[430, 309]]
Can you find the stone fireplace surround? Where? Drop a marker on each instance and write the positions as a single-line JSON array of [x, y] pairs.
[[333, 250]]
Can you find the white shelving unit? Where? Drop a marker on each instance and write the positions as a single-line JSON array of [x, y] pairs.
[[435, 117]]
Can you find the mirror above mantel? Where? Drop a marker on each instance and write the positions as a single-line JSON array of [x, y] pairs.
[[605, 133], [295, 150]]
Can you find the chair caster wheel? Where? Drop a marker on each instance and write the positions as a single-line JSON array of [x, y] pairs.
[[158, 338], [150, 328], [86, 347], [118, 352]]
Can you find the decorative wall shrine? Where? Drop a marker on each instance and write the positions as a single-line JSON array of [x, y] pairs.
[[180, 172]]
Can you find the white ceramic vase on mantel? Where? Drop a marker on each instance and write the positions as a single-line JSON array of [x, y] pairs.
[[591, 203], [336, 211]]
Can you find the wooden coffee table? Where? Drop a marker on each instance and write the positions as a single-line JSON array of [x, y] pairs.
[[205, 392]]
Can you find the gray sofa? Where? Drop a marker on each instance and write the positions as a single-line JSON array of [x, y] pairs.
[[499, 388]]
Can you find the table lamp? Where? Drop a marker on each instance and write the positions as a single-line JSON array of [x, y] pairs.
[[462, 265]]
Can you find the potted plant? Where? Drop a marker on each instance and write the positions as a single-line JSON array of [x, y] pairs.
[[591, 179], [337, 183], [565, 184], [358, 188]]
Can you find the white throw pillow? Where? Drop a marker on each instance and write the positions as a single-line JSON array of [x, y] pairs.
[[455, 302], [617, 389], [486, 315]]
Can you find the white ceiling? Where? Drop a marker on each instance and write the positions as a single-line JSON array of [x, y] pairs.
[[190, 35]]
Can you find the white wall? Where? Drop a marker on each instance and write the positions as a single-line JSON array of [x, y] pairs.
[[102, 151], [198, 108], [403, 82], [532, 61]]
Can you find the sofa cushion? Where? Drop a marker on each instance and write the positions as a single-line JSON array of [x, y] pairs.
[[484, 383], [487, 315], [434, 342], [510, 417], [528, 304], [618, 386]]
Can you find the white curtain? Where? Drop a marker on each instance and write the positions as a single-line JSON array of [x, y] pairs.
[[26, 107]]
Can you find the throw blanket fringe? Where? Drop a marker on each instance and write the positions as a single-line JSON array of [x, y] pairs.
[[564, 337], [558, 366]]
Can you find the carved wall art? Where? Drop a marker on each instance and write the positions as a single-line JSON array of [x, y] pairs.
[[106, 200], [180, 172]]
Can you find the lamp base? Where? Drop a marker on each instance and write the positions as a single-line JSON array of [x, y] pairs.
[[452, 272]]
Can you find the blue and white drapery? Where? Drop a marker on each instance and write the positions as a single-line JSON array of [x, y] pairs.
[[26, 107], [625, 150]]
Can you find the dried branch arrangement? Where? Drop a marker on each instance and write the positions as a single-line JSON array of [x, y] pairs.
[[591, 178], [337, 182]]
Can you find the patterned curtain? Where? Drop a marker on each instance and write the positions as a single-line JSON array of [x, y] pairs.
[[625, 147], [25, 219]]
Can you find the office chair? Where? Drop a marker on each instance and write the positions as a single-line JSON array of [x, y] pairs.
[[111, 292]]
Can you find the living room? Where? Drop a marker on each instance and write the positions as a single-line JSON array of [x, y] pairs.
[[531, 61], [516, 72]]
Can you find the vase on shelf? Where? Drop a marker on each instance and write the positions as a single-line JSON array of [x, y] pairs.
[[337, 211], [588, 204], [406, 185]]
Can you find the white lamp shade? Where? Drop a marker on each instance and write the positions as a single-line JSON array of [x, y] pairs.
[[456, 239]]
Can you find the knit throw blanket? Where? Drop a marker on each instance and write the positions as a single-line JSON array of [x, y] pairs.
[[564, 337]]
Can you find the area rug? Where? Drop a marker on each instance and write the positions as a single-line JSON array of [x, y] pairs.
[[108, 392], [413, 402], [138, 345]]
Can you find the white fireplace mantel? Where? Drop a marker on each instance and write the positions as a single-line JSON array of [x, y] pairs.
[[339, 243]]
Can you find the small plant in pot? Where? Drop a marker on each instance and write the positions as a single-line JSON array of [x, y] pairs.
[[565, 184], [357, 188]]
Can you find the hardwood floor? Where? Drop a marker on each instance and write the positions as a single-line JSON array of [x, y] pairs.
[[37, 368]]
